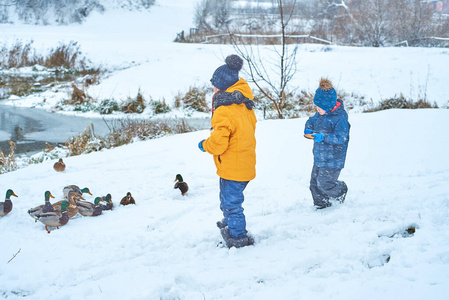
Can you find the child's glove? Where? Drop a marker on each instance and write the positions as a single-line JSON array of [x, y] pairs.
[[308, 131], [200, 145], [318, 137]]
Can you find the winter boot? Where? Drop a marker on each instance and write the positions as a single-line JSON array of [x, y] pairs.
[[342, 197], [325, 204], [221, 224], [237, 243]]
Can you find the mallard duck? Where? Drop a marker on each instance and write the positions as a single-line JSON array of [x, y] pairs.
[[44, 208], [128, 199], [72, 210], [108, 199], [55, 218], [59, 166], [89, 209], [6, 207], [180, 184], [76, 189]]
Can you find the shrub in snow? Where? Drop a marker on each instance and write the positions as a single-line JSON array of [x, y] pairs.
[[49, 153], [401, 102], [159, 106], [134, 105], [78, 96], [108, 106], [8, 162], [194, 99], [86, 142]]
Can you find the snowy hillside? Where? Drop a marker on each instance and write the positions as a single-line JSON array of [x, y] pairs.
[[138, 47], [165, 247]]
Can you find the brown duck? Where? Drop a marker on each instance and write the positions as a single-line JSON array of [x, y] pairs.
[[6, 207], [72, 210], [59, 166], [76, 189], [128, 199]]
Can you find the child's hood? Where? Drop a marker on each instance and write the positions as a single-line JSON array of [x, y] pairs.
[[243, 87], [339, 110]]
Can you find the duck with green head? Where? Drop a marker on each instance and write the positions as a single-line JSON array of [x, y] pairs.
[[6, 207], [72, 210], [89, 209], [55, 218], [76, 189], [180, 184], [108, 199], [44, 208]]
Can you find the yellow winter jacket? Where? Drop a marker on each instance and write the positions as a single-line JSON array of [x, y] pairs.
[[232, 141]]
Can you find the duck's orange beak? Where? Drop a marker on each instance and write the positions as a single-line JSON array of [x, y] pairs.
[[14, 195], [81, 197], [51, 196], [89, 193]]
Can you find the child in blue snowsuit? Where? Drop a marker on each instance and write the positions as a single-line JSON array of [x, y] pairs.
[[330, 128]]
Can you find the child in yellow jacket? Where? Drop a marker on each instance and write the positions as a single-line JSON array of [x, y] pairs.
[[233, 146]]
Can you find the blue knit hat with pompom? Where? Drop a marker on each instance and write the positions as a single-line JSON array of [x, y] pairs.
[[325, 96], [228, 74]]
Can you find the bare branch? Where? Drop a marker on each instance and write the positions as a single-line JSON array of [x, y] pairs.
[[14, 255]]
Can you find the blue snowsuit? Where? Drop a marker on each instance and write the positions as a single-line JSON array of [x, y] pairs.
[[329, 155]]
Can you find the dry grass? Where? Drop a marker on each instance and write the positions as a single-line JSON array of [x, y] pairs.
[[78, 96], [194, 99], [17, 55], [294, 105], [136, 105], [124, 132], [85, 142], [8, 162], [67, 56], [402, 103]]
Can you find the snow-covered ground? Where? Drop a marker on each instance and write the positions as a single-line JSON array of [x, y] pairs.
[[168, 247], [165, 247], [138, 47]]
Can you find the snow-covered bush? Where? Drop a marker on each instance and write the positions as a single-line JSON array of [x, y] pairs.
[[123, 132], [108, 106], [8, 162], [134, 105], [194, 99], [85, 142], [401, 102], [159, 106]]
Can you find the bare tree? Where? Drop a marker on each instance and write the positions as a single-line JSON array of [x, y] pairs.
[[221, 14], [414, 20], [378, 22], [371, 21], [202, 12], [212, 15], [273, 85]]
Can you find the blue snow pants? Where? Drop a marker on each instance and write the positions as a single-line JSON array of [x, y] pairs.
[[324, 185], [231, 200]]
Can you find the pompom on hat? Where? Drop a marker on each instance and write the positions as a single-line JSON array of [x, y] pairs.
[[227, 74], [325, 96]]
